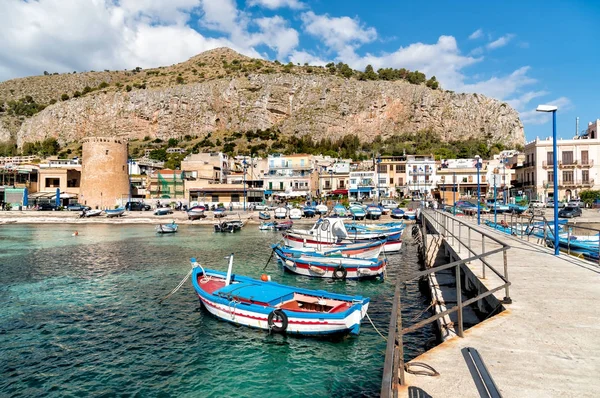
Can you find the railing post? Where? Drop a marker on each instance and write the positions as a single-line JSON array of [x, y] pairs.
[[453, 232], [469, 240], [400, 348], [507, 299], [459, 237], [482, 251], [568, 240], [459, 301]]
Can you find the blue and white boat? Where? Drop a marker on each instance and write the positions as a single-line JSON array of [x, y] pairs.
[[374, 212], [410, 214], [333, 266], [167, 228], [277, 308], [219, 212], [267, 226], [397, 213], [281, 213], [367, 250], [309, 211], [322, 209], [340, 211], [115, 212], [358, 213], [264, 215], [163, 211], [518, 209]]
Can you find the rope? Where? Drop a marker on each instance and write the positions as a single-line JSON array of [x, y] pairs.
[[431, 371], [422, 312], [374, 327], [177, 288]]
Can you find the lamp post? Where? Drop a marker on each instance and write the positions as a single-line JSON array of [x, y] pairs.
[[553, 109], [478, 167], [495, 198], [245, 166], [378, 188], [454, 193]]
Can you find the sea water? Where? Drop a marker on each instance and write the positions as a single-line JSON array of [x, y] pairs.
[[80, 316]]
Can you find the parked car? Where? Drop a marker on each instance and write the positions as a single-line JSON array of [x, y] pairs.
[[78, 207], [389, 204], [550, 204], [536, 203], [46, 207], [569, 212], [576, 203], [137, 206]]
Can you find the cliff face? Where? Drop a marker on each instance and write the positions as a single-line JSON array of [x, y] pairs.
[[300, 104]]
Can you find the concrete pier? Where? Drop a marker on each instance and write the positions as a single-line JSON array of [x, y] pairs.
[[545, 344]]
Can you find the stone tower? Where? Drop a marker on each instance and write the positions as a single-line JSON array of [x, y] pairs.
[[104, 173]]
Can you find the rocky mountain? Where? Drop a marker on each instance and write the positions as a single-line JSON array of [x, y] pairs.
[[222, 91]]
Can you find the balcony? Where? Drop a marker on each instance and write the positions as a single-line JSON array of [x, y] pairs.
[[586, 163], [420, 172], [529, 164], [567, 165], [546, 164], [571, 183]]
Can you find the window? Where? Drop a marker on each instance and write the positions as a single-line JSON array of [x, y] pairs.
[[327, 184], [270, 185], [584, 157], [235, 197], [391, 181], [402, 181], [585, 176], [382, 168], [52, 182], [483, 178], [301, 162], [400, 168], [567, 176], [550, 177], [271, 163], [353, 181], [107, 151], [550, 158], [567, 157], [341, 182], [215, 198], [281, 186]]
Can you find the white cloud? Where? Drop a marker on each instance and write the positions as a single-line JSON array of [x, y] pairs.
[[275, 33], [534, 117], [519, 102], [501, 42], [303, 57], [476, 35], [338, 33], [501, 87], [274, 4]]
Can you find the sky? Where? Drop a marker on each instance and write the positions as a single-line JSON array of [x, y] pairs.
[[523, 52]]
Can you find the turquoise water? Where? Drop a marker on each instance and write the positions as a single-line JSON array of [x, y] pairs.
[[80, 316]]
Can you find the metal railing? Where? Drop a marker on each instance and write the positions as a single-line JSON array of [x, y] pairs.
[[451, 229]]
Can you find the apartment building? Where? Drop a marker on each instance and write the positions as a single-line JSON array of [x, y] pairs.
[[577, 164], [213, 166], [421, 174], [288, 174], [334, 178], [394, 167], [457, 179]]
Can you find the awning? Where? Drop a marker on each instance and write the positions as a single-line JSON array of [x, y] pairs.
[[362, 189], [65, 195], [339, 192]]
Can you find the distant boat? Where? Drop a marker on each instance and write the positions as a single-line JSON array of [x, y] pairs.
[[410, 214], [196, 213], [332, 266], [228, 226], [263, 215], [309, 211], [114, 213], [321, 209], [367, 250], [163, 211], [358, 213], [283, 225], [219, 212], [397, 213], [92, 213], [267, 226], [374, 212], [277, 308], [340, 210], [166, 228], [281, 212], [295, 214]]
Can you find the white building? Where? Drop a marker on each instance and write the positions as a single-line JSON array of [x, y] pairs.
[[578, 165], [420, 174], [363, 184], [289, 174]]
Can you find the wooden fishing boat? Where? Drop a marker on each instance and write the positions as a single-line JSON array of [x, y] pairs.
[[340, 210], [410, 214], [309, 211], [283, 225], [368, 250], [263, 215], [358, 213], [329, 232], [334, 266], [112, 213], [219, 212], [167, 228], [277, 308], [373, 212], [321, 209], [228, 226], [93, 213], [397, 213], [196, 213], [295, 214], [281, 213], [267, 226], [163, 211]]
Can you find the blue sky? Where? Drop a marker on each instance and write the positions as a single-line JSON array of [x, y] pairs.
[[523, 52]]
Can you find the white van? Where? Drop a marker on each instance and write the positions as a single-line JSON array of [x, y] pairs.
[[389, 204]]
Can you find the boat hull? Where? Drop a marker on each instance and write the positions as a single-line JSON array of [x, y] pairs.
[[254, 313], [114, 213], [390, 246]]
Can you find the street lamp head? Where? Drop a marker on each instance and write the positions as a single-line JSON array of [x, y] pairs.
[[546, 108]]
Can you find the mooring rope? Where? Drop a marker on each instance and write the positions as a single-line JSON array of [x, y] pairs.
[[177, 288], [375, 327]]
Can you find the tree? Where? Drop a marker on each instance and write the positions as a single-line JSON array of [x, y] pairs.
[[179, 80], [103, 85], [87, 89], [172, 142], [64, 97], [158, 154], [49, 147], [76, 94], [128, 88], [369, 74], [432, 83], [46, 73]]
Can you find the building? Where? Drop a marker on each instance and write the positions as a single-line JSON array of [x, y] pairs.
[[289, 174], [577, 163], [333, 179], [395, 169], [166, 184], [457, 179], [421, 174], [500, 174], [229, 195], [104, 172], [176, 150], [213, 166], [362, 185]]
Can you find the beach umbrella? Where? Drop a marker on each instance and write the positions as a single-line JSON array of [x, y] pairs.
[[57, 197], [25, 197]]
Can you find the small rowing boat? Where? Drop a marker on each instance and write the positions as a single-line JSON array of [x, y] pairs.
[[196, 213], [263, 215], [274, 307], [167, 228], [228, 226], [112, 213]]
